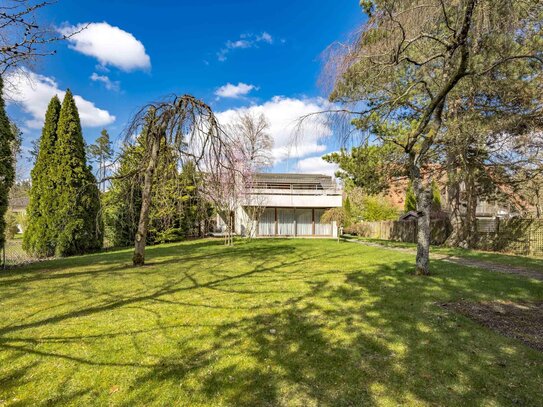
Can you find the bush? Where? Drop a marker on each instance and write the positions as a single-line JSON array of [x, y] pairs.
[[378, 208], [11, 224]]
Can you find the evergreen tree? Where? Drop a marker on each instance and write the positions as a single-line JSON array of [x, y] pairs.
[[122, 202], [40, 236], [7, 162], [77, 219], [436, 197], [410, 203], [348, 212]]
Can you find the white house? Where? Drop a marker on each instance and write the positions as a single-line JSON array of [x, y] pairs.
[[285, 205]]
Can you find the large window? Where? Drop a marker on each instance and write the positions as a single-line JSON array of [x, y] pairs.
[[266, 226], [285, 222], [321, 229], [293, 222], [304, 222]]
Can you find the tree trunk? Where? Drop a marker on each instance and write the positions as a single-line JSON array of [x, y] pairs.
[[455, 215], [471, 212], [141, 235], [424, 203]]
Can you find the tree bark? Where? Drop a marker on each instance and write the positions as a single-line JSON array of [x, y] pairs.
[[455, 215], [471, 211], [141, 235], [424, 203]]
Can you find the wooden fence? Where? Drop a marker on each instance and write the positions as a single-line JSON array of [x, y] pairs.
[[521, 236]]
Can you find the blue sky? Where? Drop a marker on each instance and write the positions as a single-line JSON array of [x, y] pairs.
[[257, 55]]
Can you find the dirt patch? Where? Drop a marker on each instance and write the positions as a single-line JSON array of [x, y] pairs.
[[519, 320]]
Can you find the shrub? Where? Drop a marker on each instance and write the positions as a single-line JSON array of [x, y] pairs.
[[11, 224], [378, 208]]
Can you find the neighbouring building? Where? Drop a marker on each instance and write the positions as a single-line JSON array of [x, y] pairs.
[[287, 205], [485, 209]]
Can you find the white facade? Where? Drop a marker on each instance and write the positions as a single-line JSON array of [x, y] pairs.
[[287, 205]]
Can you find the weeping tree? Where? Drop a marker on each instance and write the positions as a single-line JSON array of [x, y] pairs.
[[185, 124], [397, 77]]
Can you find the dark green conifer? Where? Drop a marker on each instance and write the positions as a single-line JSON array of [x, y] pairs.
[[78, 219], [7, 162], [40, 236]]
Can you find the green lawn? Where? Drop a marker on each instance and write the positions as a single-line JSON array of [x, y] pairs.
[[531, 262], [266, 323]]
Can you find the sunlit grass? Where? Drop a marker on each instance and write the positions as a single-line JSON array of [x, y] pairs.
[[534, 263], [268, 322]]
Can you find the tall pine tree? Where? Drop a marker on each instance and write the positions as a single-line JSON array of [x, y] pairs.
[[40, 235], [77, 220], [7, 162]]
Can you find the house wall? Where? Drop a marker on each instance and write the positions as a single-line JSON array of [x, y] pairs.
[[294, 213]]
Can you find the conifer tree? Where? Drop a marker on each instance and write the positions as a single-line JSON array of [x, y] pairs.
[[78, 219], [410, 203], [39, 237], [7, 170]]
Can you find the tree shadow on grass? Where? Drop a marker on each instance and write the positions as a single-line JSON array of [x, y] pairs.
[[347, 350], [360, 337]]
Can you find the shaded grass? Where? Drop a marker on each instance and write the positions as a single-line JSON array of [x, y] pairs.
[[268, 322], [530, 262]]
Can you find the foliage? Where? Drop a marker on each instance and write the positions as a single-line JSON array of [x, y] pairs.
[[348, 211], [436, 196], [7, 162], [378, 208], [10, 219], [410, 203], [39, 238], [77, 218], [370, 167], [338, 215], [188, 127], [178, 209], [417, 65], [270, 322]]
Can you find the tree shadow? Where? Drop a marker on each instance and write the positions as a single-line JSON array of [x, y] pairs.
[[277, 332]]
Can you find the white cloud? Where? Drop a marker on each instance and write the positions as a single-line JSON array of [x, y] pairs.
[[234, 91], [292, 139], [265, 37], [110, 45], [244, 41], [108, 83], [316, 165], [33, 92]]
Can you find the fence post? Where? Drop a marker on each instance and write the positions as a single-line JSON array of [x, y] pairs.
[[4, 255]]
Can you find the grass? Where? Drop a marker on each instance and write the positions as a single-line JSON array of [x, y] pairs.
[[530, 262], [266, 323]]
